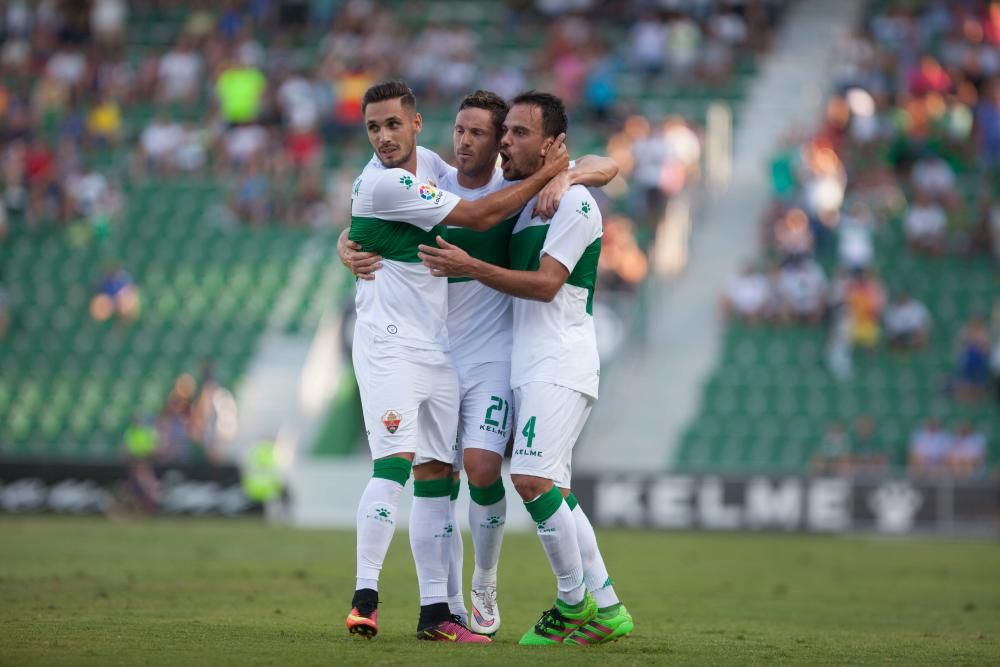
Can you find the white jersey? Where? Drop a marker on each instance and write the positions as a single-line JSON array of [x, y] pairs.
[[556, 342], [480, 320], [393, 212]]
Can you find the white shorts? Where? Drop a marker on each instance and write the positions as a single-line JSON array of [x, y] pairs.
[[486, 415], [549, 421], [409, 398]]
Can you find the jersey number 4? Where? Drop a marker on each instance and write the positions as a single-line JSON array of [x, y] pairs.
[[529, 430]]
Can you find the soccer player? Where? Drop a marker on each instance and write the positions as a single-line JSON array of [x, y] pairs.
[[554, 372], [409, 389], [480, 327]]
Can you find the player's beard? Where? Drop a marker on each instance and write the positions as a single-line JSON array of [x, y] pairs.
[[514, 170], [401, 158]]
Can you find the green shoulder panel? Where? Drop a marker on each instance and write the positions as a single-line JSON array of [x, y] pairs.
[[393, 240], [525, 254]]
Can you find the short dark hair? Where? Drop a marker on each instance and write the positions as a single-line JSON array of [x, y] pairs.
[[554, 121], [489, 101], [389, 90]]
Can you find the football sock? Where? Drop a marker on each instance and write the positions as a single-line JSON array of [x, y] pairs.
[[456, 600], [431, 536], [376, 519], [595, 573], [487, 516], [557, 531]]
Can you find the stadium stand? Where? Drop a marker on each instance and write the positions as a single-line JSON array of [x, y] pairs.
[[209, 262], [780, 387]]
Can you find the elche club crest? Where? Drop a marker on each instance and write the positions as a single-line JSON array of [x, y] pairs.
[[391, 420]]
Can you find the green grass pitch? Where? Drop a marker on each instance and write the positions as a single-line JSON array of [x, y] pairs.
[[213, 592]]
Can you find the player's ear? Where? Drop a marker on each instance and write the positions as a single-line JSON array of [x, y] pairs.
[[546, 144], [418, 121]]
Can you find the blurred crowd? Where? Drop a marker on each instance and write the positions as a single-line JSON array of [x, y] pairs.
[[909, 149], [933, 450]]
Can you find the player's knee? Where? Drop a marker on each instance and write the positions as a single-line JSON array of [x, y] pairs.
[[432, 470], [482, 467], [530, 487]]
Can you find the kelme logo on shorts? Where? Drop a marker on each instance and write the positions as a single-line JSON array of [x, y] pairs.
[[584, 209], [391, 420], [407, 181]]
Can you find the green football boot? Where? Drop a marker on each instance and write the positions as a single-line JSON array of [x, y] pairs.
[[559, 622], [603, 628]]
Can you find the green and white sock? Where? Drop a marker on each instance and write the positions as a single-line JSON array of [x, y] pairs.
[[557, 530], [431, 538], [595, 573], [376, 518], [487, 517], [456, 599]]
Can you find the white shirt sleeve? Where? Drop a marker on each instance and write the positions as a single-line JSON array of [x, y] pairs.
[[575, 226], [399, 196], [441, 169]]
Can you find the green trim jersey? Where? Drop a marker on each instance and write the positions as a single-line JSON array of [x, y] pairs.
[[480, 320], [555, 342], [393, 212]]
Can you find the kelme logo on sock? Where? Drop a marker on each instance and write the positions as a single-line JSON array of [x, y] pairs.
[[447, 531], [381, 513], [542, 528], [493, 521]]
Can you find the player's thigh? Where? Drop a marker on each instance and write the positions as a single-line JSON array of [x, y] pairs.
[[390, 398], [438, 415], [549, 421], [486, 417]]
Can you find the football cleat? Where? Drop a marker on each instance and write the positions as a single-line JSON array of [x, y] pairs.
[[558, 623], [603, 629], [452, 630], [365, 625], [485, 612]]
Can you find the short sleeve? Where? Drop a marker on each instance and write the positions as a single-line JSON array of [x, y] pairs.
[[441, 169], [399, 196], [575, 226]]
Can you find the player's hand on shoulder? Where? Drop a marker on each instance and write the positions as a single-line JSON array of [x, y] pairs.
[[445, 260], [549, 196]]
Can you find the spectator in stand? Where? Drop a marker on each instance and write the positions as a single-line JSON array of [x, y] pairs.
[[864, 297], [116, 295], [240, 91], [988, 126], [683, 44], [622, 264], [801, 291], [907, 323], [967, 454], [104, 122], [648, 42], [44, 191], [934, 176], [867, 450], [928, 76], [107, 21], [925, 225], [831, 458], [748, 296], [792, 236], [179, 74], [993, 223], [158, 144], [855, 247], [928, 450], [971, 378]]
